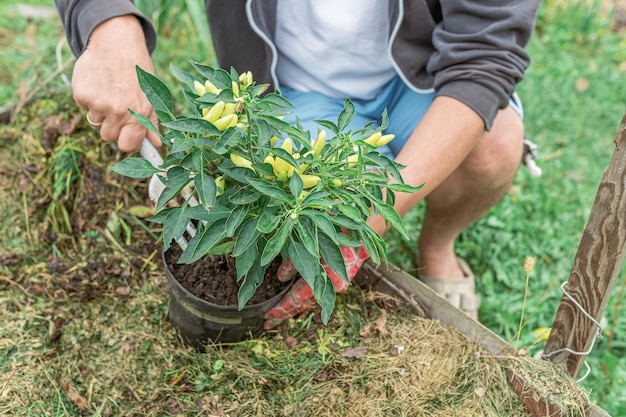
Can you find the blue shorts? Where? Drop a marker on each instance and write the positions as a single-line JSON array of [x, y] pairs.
[[405, 108]]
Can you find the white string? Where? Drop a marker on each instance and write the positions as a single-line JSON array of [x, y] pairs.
[[588, 351]]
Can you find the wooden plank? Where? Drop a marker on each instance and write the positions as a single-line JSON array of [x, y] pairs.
[[595, 269], [424, 302]]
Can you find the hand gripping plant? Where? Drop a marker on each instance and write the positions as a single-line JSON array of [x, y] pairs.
[[265, 188]]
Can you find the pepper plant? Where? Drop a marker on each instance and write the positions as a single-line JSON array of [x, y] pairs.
[[265, 187]]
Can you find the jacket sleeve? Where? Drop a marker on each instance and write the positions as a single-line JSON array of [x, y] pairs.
[[80, 18], [480, 55]]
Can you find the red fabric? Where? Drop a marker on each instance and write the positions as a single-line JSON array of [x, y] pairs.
[[300, 296]]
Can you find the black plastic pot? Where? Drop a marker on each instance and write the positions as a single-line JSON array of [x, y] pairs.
[[200, 322]]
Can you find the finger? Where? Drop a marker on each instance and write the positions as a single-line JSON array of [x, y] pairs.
[[130, 137], [154, 139], [109, 130], [298, 299], [286, 271]]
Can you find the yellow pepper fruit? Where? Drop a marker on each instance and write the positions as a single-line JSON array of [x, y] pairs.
[[245, 78], [235, 88], [385, 139], [287, 145], [240, 161], [283, 169], [229, 108], [303, 194], [352, 160], [309, 181], [215, 112], [199, 88], [373, 139], [220, 184], [225, 122], [318, 145], [209, 87]]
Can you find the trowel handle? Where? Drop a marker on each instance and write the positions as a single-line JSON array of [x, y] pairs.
[[151, 153]]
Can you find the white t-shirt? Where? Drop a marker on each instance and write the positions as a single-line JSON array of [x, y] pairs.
[[335, 47]]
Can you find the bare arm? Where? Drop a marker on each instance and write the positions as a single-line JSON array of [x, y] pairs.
[[438, 145]]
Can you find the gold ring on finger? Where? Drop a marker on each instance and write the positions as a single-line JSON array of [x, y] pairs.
[[91, 122]]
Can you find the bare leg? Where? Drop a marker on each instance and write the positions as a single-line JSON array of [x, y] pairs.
[[468, 193]]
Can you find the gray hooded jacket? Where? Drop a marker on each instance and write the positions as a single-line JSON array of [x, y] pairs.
[[473, 51]]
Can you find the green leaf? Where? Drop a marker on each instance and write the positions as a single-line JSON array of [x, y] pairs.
[[202, 242], [161, 215], [384, 124], [345, 240], [269, 189], [263, 168], [332, 255], [275, 243], [370, 245], [193, 125], [392, 216], [328, 125], [307, 265], [344, 221], [174, 225], [351, 212], [404, 188], [322, 222], [384, 162], [327, 301], [235, 219], [250, 283], [229, 139], [282, 126], [346, 115], [145, 122], [157, 93], [314, 203], [177, 179], [182, 76], [135, 168], [214, 214], [237, 173], [248, 234], [225, 95], [268, 222], [220, 78], [295, 185], [246, 260], [224, 248], [206, 188], [277, 100], [306, 232], [283, 154], [315, 195], [244, 196]]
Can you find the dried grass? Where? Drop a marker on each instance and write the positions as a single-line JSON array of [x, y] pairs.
[[88, 334]]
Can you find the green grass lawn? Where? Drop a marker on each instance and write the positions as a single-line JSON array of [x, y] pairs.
[[574, 98]]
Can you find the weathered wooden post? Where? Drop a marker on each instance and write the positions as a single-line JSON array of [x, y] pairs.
[[596, 267]]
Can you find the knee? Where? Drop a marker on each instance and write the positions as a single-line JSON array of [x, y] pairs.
[[497, 156]]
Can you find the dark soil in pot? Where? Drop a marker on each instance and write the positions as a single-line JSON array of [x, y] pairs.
[[214, 279]]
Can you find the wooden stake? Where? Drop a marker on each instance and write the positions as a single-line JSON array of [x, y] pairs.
[[596, 266]]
